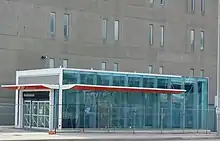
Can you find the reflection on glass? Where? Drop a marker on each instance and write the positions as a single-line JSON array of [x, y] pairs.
[[34, 108], [103, 79], [119, 80], [126, 110], [134, 81], [86, 78]]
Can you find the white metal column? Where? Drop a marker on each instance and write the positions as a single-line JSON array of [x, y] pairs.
[[21, 101], [16, 103], [16, 109], [51, 111], [218, 76], [60, 102]]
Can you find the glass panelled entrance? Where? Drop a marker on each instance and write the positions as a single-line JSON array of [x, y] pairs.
[[36, 114]]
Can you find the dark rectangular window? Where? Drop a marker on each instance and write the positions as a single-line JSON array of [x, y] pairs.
[[202, 6], [116, 30], [66, 26], [191, 72], [115, 66], [52, 23], [161, 35], [104, 29], [202, 40], [192, 5], [192, 40], [151, 32], [162, 2]]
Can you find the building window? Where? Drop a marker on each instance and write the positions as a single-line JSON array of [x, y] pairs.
[[192, 39], [192, 5], [116, 30], [151, 34], [104, 29], [151, 1], [66, 26], [52, 23], [201, 72], [115, 66], [52, 63], [202, 40], [65, 63], [162, 2], [103, 65], [150, 69], [203, 6], [162, 36], [191, 72], [161, 70]]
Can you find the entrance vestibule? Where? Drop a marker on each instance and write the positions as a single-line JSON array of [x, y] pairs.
[[36, 109]]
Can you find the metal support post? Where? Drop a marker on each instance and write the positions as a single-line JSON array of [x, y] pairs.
[[21, 101], [51, 111], [218, 69]]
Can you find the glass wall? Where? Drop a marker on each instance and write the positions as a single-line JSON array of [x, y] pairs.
[[95, 109]]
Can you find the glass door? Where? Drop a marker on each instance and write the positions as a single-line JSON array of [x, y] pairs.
[[36, 114], [27, 113], [40, 114]]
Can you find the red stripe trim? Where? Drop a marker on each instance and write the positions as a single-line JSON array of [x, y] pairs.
[[126, 89]]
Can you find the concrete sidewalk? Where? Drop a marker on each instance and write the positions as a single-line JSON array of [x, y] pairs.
[[39, 136]]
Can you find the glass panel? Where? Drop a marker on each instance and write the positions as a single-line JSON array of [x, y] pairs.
[[162, 82], [34, 121], [116, 30], [70, 77], [119, 80], [27, 120], [134, 81], [127, 110], [104, 29], [151, 34], [27, 113], [104, 79], [176, 83], [87, 78], [149, 82], [40, 121], [52, 23], [46, 121], [41, 108], [46, 108], [34, 108], [66, 25], [203, 100], [27, 107]]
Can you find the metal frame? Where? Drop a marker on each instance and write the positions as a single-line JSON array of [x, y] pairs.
[[20, 115], [218, 75], [38, 72], [32, 115]]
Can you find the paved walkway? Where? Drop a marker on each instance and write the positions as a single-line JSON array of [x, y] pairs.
[[10, 133], [34, 136]]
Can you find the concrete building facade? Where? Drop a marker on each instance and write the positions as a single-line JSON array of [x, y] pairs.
[[155, 36]]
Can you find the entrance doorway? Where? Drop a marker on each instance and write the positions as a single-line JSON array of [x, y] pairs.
[[36, 114], [36, 110]]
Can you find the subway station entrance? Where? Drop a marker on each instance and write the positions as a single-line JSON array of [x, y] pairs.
[[63, 98]]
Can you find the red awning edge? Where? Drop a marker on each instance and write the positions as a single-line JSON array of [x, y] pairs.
[[93, 88], [122, 89], [30, 87]]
